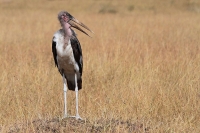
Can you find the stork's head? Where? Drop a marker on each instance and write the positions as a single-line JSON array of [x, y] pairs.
[[68, 20]]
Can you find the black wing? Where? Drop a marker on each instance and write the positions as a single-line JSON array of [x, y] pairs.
[[77, 52], [54, 52]]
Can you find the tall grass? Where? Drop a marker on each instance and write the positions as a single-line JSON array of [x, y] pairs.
[[138, 66]]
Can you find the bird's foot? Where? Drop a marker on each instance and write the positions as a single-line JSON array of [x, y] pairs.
[[65, 116], [77, 117]]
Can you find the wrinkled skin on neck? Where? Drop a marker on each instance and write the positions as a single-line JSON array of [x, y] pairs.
[[67, 32], [65, 26]]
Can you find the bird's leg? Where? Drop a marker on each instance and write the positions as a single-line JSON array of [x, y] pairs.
[[65, 96], [76, 90]]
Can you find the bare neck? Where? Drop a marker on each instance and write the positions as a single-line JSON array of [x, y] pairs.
[[67, 33]]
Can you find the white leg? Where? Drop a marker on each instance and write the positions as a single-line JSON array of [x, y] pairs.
[[65, 96], [76, 90]]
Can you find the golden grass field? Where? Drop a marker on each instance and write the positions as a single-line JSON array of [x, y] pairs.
[[142, 65]]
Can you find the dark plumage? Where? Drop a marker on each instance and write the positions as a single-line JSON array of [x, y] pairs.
[[77, 52]]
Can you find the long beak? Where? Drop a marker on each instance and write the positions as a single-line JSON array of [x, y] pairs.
[[73, 22]]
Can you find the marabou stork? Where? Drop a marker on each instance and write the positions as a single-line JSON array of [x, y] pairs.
[[67, 55]]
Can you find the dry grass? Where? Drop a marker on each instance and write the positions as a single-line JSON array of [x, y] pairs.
[[140, 65]]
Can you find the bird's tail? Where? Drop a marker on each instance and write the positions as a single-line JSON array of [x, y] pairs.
[[71, 83]]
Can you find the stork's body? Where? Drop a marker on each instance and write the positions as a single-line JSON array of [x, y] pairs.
[[68, 56]]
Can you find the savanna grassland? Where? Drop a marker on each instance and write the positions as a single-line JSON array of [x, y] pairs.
[[141, 67]]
